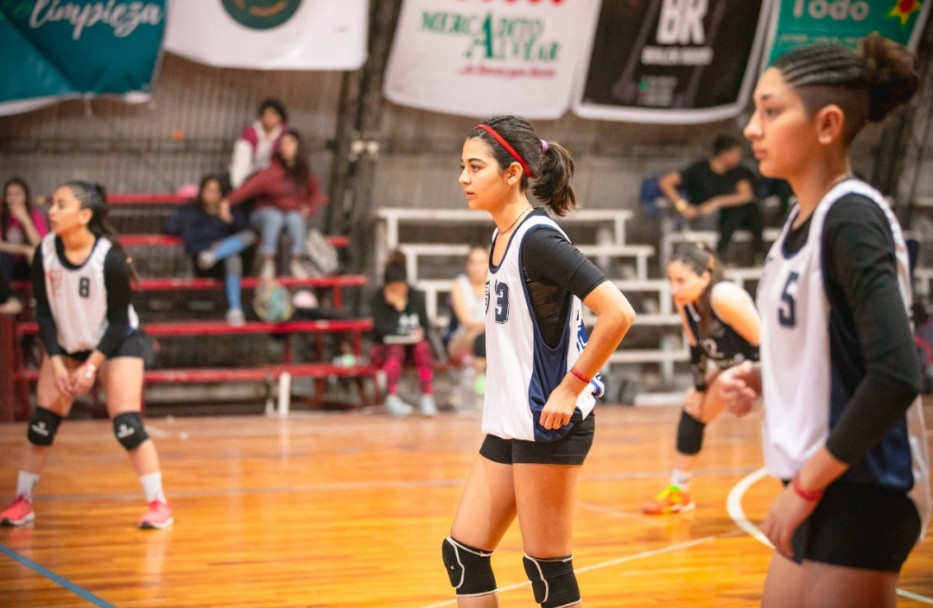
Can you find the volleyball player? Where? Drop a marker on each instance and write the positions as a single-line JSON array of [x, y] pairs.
[[81, 282], [838, 369], [721, 325], [538, 410]]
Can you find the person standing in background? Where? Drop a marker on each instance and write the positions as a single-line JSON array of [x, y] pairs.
[[253, 149]]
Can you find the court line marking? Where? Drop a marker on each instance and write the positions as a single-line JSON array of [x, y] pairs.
[[81, 592], [737, 513]]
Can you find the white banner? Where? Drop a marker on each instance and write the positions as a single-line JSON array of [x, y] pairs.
[[477, 58], [257, 34]]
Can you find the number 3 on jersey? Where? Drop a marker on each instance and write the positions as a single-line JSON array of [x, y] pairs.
[[787, 313], [84, 287], [502, 302]]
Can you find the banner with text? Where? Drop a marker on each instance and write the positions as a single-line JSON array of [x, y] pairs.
[[264, 35], [672, 61], [50, 50], [483, 57], [845, 22]]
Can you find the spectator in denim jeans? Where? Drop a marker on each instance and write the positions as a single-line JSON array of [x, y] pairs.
[[285, 194]]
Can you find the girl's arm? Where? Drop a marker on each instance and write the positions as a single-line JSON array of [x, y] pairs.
[[735, 308]]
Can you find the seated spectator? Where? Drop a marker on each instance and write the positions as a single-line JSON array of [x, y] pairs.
[[8, 304], [465, 339], [400, 335], [216, 244], [253, 149], [284, 194], [719, 193], [22, 226]]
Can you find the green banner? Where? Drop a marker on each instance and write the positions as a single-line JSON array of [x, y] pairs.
[[52, 49], [845, 22]]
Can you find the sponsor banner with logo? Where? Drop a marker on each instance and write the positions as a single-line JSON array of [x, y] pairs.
[[672, 61], [55, 49], [482, 57], [805, 22], [270, 34]]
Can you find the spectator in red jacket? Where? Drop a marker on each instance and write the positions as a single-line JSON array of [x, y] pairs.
[[285, 194]]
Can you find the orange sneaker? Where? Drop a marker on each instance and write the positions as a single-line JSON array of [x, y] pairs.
[[158, 516], [18, 513], [671, 500]]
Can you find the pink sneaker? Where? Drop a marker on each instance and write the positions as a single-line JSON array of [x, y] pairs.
[[158, 516], [18, 513]]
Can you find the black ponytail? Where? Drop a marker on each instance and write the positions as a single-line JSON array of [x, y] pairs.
[[93, 196], [548, 163]]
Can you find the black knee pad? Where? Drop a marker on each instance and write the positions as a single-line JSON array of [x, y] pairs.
[[42, 426], [689, 434], [129, 429], [468, 568], [552, 580]]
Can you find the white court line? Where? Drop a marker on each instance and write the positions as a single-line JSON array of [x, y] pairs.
[[612, 562], [734, 505]]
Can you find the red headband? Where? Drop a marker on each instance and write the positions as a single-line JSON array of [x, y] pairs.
[[508, 148]]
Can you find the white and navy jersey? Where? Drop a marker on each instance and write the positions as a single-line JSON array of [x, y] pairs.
[[78, 300], [723, 345], [819, 346], [523, 369]]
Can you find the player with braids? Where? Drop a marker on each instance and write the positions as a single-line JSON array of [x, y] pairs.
[[842, 425], [721, 325], [81, 282], [541, 375]]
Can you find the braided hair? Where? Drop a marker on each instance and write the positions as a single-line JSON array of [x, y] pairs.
[[866, 85]]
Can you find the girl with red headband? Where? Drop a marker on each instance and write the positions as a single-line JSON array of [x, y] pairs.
[[541, 378]]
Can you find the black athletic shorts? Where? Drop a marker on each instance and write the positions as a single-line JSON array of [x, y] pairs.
[[572, 449], [132, 346], [859, 526]]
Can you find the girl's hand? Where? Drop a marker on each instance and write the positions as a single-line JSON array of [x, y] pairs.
[[305, 210], [786, 513], [223, 212], [559, 408], [82, 379], [63, 381], [19, 211], [740, 386]]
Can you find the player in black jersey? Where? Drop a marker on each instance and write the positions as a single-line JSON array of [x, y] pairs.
[[81, 281], [721, 326]]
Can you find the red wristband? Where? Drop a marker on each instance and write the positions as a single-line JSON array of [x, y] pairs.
[[807, 495], [580, 376]]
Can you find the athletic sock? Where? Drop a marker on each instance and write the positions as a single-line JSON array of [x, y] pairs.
[[152, 486], [26, 484], [681, 479]]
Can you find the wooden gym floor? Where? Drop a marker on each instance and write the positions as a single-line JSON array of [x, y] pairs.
[[349, 509]]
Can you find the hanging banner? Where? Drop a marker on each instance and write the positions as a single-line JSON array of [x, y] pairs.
[[672, 61], [483, 57], [845, 22], [270, 35], [52, 49]]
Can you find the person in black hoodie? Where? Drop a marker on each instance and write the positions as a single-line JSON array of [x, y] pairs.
[[400, 334]]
